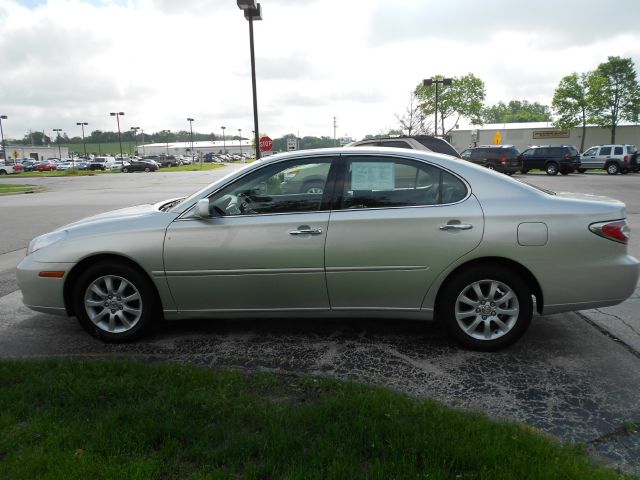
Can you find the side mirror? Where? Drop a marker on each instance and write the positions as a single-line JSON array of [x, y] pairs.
[[202, 208]]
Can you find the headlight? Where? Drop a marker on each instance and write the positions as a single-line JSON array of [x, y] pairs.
[[45, 240]]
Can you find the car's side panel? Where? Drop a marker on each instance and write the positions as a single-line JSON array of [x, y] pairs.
[[247, 263], [388, 258]]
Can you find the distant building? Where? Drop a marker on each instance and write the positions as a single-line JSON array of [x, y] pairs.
[[523, 135], [200, 148], [36, 153]]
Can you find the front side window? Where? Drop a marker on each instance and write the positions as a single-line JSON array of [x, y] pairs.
[[375, 182], [285, 187], [466, 154], [591, 152]]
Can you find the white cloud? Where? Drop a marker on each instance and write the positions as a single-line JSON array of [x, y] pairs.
[[162, 61]]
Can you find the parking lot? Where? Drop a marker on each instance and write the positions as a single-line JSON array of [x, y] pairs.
[[567, 376]]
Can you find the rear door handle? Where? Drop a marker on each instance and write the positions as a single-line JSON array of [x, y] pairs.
[[304, 230], [456, 226]]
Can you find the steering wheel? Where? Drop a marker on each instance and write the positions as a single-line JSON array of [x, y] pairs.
[[244, 204]]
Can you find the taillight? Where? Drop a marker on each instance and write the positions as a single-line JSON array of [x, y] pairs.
[[503, 160], [626, 159], [567, 156], [618, 230]]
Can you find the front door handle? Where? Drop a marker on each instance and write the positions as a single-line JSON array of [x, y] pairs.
[[306, 230], [456, 226]]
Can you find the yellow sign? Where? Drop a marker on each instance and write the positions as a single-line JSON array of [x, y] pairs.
[[15, 154], [497, 138]]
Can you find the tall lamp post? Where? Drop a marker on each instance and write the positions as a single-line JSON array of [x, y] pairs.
[[134, 130], [224, 141], [191, 120], [84, 145], [240, 142], [118, 115], [58, 130], [4, 152], [253, 11], [166, 139], [436, 81]]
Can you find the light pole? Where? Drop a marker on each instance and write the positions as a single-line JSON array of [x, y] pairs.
[[253, 11], [224, 141], [84, 145], [240, 142], [134, 130], [166, 139], [4, 152], [191, 120], [118, 115], [58, 130], [436, 82]]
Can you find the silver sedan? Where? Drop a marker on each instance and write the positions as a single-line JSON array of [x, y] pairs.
[[384, 233]]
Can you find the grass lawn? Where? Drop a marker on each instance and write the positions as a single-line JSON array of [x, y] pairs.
[[126, 420], [8, 189], [76, 173]]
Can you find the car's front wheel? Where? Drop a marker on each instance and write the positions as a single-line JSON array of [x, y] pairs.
[[486, 307], [147, 169], [114, 302]]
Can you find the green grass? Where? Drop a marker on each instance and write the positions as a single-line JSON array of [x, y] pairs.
[[8, 189], [125, 420]]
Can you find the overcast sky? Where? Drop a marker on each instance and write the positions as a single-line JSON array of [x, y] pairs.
[[161, 61]]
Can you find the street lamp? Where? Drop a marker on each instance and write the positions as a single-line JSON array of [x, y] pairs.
[[134, 130], [224, 142], [240, 142], [436, 82], [191, 120], [58, 130], [84, 146], [118, 115], [4, 152], [253, 11], [166, 139]]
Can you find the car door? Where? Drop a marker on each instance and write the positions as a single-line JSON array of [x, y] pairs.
[[262, 249], [397, 224], [589, 158], [604, 154]]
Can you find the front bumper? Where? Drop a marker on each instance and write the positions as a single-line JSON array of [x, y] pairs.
[[40, 293]]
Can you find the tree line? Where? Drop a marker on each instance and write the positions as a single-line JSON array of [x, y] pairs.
[[605, 97]]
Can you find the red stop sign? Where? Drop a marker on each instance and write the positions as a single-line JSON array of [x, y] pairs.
[[265, 144]]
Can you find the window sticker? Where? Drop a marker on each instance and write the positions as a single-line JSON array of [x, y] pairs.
[[372, 176]]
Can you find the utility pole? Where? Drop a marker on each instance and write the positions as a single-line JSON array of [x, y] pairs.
[[335, 125]]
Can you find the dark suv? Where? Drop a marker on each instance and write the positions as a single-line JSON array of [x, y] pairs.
[[551, 158], [502, 158], [415, 142]]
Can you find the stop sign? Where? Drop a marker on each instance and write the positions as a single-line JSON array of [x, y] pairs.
[[265, 144]]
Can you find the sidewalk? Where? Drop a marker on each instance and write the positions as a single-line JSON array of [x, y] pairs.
[[621, 321]]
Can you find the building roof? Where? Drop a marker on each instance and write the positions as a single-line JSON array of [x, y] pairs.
[[201, 144]]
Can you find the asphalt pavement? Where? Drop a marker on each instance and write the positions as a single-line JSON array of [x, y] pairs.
[[572, 375]]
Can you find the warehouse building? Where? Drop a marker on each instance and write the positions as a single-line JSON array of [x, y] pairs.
[[524, 135], [200, 148], [34, 153]]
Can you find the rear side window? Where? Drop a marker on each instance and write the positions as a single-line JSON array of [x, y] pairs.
[[573, 151], [395, 143], [377, 182], [618, 151], [543, 152], [605, 151], [511, 152]]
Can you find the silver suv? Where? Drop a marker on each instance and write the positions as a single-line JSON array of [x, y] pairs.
[[415, 142], [612, 158]]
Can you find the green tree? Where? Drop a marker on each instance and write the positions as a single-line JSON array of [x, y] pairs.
[[464, 98], [614, 93], [572, 103], [36, 138], [516, 111]]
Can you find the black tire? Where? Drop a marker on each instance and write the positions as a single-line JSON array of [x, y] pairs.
[[314, 186], [147, 169], [565, 172], [524, 171], [505, 280], [582, 170], [147, 304], [490, 166], [624, 171], [125, 170], [612, 168], [552, 168], [3, 172]]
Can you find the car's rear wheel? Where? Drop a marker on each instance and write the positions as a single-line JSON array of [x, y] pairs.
[[147, 169], [316, 186], [125, 170], [582, 170], [612, 168], [486, 307], [490, 166], [114, 302], [551, 168], [524, 171]]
